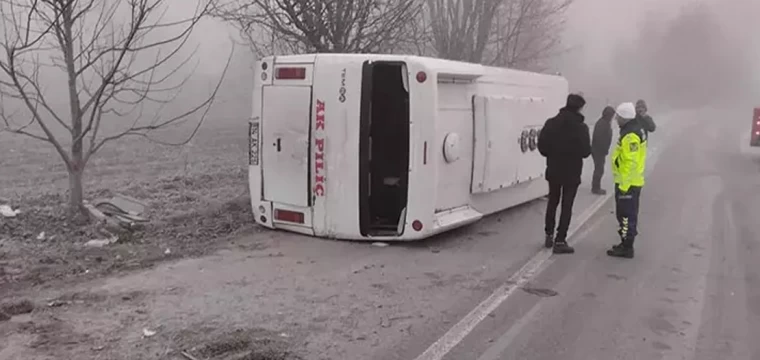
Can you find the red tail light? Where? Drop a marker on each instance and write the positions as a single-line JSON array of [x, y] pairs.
[[289, 216], [290, 73], [421, 77], [755, 137]]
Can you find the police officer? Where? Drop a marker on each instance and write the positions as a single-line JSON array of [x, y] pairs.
[[628, 163]]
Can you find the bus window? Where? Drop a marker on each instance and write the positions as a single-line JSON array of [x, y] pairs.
[[405, 79], [384, 148]]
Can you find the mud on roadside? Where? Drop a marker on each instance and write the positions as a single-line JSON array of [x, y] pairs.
[[78, 326], [40, 246]]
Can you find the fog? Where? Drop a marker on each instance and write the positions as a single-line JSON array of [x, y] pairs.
[[594, 30], [604, 55], [597, 29]]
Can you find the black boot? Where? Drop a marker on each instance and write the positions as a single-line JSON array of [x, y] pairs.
[[561, 247], [549, 241], [623, 250]]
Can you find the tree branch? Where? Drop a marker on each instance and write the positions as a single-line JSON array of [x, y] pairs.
[[353, 26]]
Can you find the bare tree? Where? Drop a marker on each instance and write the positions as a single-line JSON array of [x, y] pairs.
[[346, 26], [511, 33], [110, 57], [527, 33], [461, 29]]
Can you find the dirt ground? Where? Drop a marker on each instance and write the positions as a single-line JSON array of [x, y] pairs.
[[293, 298], [197, 197], [225, 290], [198, 203], [197, 194]]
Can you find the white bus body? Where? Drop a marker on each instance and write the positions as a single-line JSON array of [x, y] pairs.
[[390, 147]]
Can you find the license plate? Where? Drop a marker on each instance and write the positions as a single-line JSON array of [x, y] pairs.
[[253, 143]]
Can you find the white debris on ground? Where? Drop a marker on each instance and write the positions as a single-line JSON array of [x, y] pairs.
[[102, 242], [8, 211], [118, 214], [120, 211]]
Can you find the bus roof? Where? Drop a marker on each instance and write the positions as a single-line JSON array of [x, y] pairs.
[[441, 67]]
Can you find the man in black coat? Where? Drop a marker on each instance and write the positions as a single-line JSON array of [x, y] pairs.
[[565, 142], [644, 119], [600, 147]]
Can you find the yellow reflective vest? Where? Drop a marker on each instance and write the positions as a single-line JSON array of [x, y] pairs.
[[629, 157]]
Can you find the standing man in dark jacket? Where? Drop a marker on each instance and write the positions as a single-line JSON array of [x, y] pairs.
[[565, 142], [600, 147], [646, 122]]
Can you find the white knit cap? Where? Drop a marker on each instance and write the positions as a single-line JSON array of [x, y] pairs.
[[626, 111]]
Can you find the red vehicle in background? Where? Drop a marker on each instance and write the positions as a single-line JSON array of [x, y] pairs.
[[755, 137]]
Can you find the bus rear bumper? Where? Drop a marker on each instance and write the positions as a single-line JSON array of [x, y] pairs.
[[442, 222], [265, 215]]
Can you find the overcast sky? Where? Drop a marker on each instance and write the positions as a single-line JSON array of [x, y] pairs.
[[593, 29], [592, 26]]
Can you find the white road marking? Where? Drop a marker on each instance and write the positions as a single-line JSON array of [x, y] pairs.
[[495, 351], [458, 332], [535, 265]]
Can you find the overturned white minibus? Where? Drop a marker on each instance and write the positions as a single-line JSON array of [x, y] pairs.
[[390, 147]]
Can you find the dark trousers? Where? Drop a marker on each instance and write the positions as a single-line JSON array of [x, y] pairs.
[[596, 180], [627, 212], [564, 194]]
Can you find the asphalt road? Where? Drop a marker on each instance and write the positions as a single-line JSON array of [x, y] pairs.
[[693, 290]]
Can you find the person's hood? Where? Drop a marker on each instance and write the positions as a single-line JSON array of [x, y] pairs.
[[575, 102], [641, 107], [641, 104], [608, 113]]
